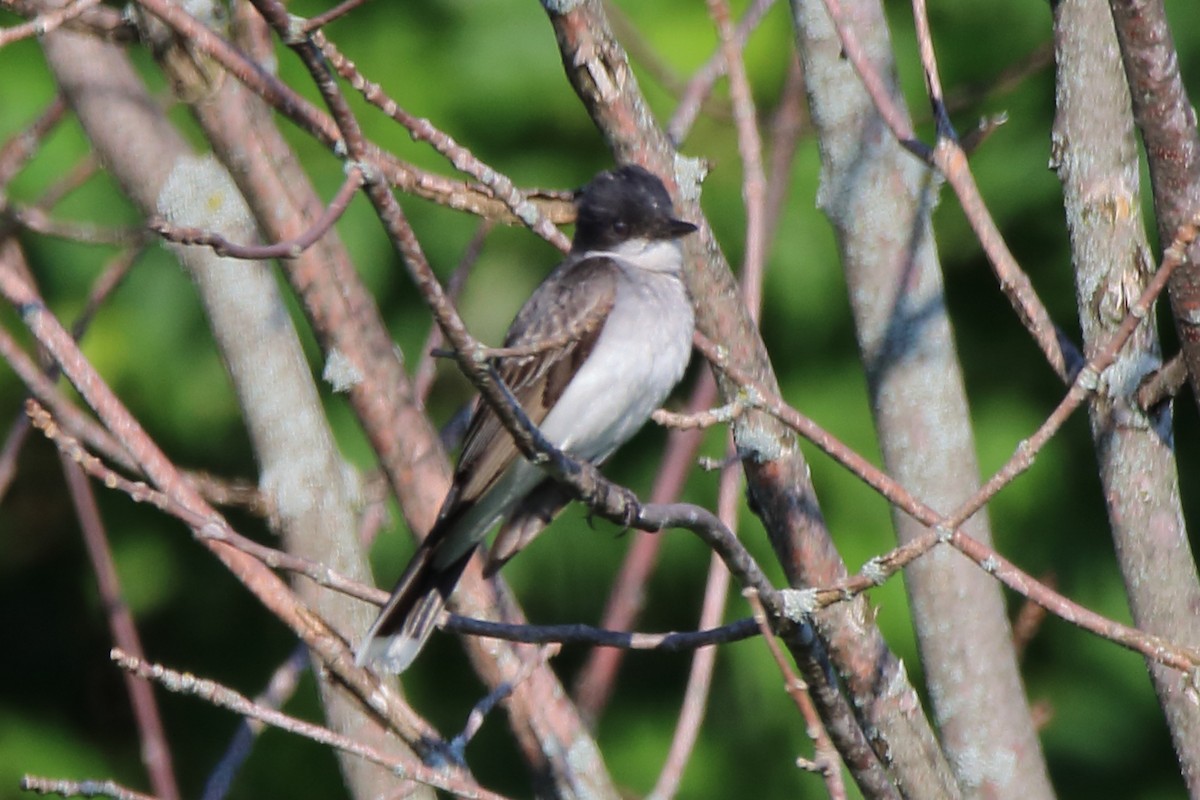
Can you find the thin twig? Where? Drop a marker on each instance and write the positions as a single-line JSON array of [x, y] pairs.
[[65, 412], [68, 788], [1009, 79], [788, 124], [701, 84], [1163, 384], [338, 11], [99, 20], [45, 22], [155, 752], [280, 688], [70, 180], [944, 529], [463, 159], [754, 182], [1028, 621], [426, 370], [238, 493], [593, 687], [825, 756], [672, 642], [949, 159], [700, 420], [291, 248], [699, 682], [24, 145], [488, 703], [111, 276], [224, 697], [569, 334], [933, 81], [35, 219]]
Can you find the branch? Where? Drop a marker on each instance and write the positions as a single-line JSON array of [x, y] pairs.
[[947, 157], [1097, 161], [627, 596], [701, 85], [777, 476], [280, 688], [290, 248], [67, 788], [825, 759], [880, 203], [20, 148], [540, 699], [45, 22], [945, 529], [423, 130], [672, 642], [1166, 118], [224, 697], [272, 592], [155, 751]]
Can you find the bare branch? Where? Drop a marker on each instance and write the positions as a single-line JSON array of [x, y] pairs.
[[425, 373], [777, 476], [825, 759], [224, 697], [155, 752], [594, 685], [35, 219], [948, 157], [699, 682], [291, 248], [502, 692], [1097, 161], [946, 529], [701, 84], [66, 788], [46, 22], [280, 688], [1162, 384], [21, 147], [1166, 118], [462, 158]]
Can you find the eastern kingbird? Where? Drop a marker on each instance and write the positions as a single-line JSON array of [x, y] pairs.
[[617, 324]]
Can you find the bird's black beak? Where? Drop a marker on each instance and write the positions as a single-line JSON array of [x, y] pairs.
[[679, 227]]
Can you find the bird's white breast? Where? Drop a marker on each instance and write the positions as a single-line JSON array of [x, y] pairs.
[[640, 356]]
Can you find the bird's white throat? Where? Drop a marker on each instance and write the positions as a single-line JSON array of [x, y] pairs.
[[651, 255]]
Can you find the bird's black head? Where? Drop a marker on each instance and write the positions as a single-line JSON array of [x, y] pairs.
[[623, 204]]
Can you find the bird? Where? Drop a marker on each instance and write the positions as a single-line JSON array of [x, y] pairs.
[[605, 338]]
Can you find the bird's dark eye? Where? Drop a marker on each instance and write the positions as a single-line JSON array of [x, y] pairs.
[[620, 227]]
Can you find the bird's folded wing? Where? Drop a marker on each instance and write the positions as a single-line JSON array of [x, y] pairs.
[[566, 314]]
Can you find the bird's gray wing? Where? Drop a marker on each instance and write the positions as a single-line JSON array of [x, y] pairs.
[[567, 314]]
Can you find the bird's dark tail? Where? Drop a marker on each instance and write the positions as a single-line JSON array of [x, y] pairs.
[[412, 612]]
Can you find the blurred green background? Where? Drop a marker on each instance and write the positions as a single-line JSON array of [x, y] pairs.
[[488, 73]]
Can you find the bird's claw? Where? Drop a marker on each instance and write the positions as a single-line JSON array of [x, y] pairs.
[[629, 505]]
